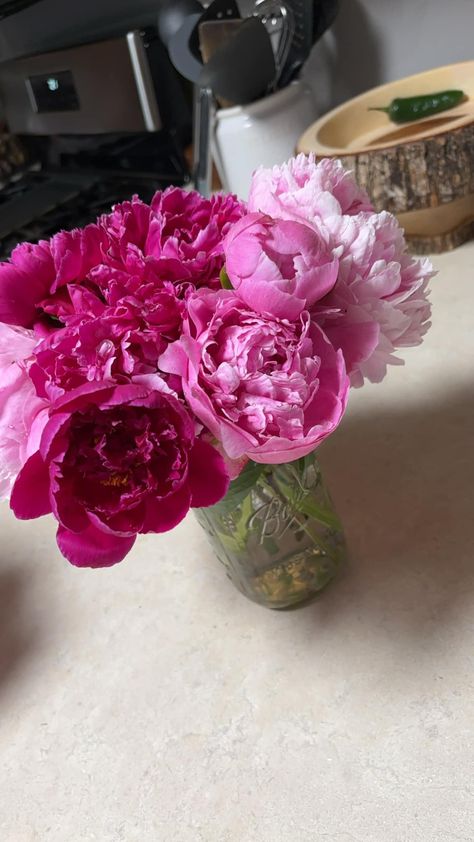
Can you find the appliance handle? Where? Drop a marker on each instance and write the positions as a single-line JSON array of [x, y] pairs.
[[204, 113], [144, 82]]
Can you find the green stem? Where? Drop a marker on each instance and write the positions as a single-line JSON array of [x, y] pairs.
[[301, 520]]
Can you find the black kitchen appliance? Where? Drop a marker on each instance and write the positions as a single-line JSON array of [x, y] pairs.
[[10, 7], [98, 123]]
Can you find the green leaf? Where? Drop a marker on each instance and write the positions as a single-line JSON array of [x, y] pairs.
[[241, 486], [225, 280], [308, 507], [271, 545], [230, 542], [241, 529]]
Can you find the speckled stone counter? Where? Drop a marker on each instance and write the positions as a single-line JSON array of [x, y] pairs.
[[151, 702]]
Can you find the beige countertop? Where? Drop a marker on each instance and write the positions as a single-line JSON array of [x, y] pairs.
[[151, 702]]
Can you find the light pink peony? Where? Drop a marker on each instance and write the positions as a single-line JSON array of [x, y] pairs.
[[114, 461], [304, 190], [21, 411], [379, 302], [268, 389], [277, 266]]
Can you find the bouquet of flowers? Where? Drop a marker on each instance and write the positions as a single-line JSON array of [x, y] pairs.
[[146, 358]]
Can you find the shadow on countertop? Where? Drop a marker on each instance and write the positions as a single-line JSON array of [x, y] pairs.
[[19, 638], [403, 484]]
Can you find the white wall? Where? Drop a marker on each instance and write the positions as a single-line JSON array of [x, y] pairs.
[[376, 41]]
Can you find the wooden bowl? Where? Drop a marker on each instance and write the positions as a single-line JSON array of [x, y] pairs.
[[422, 171]]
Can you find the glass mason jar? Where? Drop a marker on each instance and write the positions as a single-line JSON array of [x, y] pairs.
[[276, 532]]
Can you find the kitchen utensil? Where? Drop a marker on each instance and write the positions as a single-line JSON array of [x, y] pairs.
[[184, 52], [214, 28], [231, 73], [263, 133], [213, 34], [218, 10], [278, 21], [302, 41], [324, 15], [180, 53], [172, 14]]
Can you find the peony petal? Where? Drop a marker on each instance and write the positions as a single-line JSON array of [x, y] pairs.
[[92, 547], [30, 494], [357, 341], [165, 513], [267, 298], [17, 297], [66, 508], [177, 356], [24, 281], [208, 476]]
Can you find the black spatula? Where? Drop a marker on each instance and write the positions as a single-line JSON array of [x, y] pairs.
[[179, 50], [244, 67], [172, 14], [217, 10], [302, 12]]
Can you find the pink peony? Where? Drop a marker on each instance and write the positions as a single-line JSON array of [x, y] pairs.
[[114, 461], [379, 302], [21, 411], [307, 191], [277, 266], [268, 389]]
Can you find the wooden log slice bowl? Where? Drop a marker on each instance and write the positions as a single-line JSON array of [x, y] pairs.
[[421, 171]]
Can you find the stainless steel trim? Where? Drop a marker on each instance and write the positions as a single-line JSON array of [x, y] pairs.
[[113, 82], [144, 82], [31, 96], [203, 127]]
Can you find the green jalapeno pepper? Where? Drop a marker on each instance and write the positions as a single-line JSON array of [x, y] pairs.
[[406, 109]]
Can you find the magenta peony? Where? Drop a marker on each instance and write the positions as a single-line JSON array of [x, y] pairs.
[[114, 461], [75, 253], [187, 228], [22, 413], [25, 280], [268, 389], [177, 239], [278, 267], [122, 342]]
